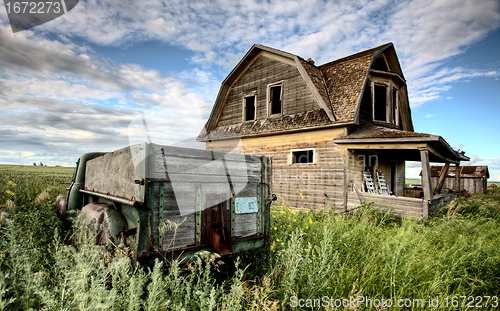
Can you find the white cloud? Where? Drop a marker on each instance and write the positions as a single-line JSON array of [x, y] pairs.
[[473, 160], [430, 86], [430, 116], [425, 32], [60, 100], [67, 92]]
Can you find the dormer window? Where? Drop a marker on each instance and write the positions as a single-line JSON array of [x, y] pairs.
[[275, 95], [385, 87], [385, 103], [380, 102]]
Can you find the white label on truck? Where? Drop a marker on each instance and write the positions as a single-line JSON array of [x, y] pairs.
[[246, 205]]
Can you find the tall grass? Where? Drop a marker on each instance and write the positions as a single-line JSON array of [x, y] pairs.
[[44, 266], [372, 254]]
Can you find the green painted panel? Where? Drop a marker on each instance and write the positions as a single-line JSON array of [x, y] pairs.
[[198, 214], [160, 216], [233, 216], [243, 246], [259, 209]]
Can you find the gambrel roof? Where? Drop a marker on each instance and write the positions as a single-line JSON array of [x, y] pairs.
[[336, 86]]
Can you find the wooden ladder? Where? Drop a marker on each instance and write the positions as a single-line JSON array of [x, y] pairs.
[[367, 177], [382, 185]]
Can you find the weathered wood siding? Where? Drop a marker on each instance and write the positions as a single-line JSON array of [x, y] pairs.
[[356, 166], [399, 206], [114, 173], [471, 185], [297, 97], [301, 185], [401, 175]]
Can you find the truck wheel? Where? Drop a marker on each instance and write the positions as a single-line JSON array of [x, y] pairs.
[[61, 205], [105, 221]]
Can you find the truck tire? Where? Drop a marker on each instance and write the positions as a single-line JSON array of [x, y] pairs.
[[61, 205], [105, 221]]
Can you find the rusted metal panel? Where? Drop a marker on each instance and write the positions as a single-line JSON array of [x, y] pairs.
[[112, 198]]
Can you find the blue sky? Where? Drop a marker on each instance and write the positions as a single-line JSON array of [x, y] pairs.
[[83, 82]]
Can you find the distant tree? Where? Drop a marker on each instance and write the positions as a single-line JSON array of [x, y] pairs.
[[34, 164], [41, 164]]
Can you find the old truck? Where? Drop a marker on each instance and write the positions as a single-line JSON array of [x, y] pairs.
[[164, 200]]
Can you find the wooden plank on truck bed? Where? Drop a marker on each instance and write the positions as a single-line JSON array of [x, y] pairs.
[[204, 154], [114, 174]]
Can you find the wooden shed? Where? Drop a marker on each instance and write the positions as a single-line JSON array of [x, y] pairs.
[[472, 178]]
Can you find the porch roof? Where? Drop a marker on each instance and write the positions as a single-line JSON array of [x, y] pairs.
[[408, 144]]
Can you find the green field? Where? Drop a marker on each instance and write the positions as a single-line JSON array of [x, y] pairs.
[[366, 255]]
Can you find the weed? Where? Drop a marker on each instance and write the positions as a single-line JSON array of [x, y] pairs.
[[313, 254]]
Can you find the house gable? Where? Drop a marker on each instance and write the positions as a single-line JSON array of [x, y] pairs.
[[302, 95], [339, 93], [265, 71]]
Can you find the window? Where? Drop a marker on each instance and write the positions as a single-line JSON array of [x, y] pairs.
[[395, 107], [302, 156], [380, 102], [249, 109], [249, 105], [385, 103], [275, 98]]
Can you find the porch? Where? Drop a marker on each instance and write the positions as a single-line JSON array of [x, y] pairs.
[[398, 206], [383, 151]]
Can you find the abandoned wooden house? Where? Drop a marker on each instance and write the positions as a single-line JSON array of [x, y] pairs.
[[330, 129], [472, 178]]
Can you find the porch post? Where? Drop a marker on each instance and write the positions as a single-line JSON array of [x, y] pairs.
[[442, 178], [426, 174], [457, 177], [345, 198]]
